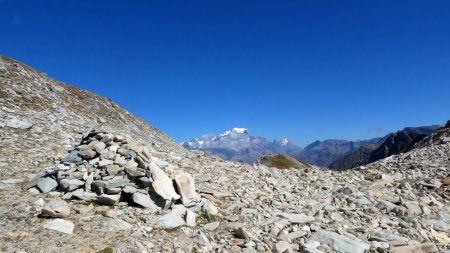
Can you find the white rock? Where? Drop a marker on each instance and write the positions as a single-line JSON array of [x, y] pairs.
[[60, 225], [173, 219], [18, 123], [162, 184], [186, 188], [210, 209], [190, 218]]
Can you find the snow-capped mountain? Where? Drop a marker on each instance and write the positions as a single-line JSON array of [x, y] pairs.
[[239, 145]]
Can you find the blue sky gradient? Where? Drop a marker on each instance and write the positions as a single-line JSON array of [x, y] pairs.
[[305, 70]]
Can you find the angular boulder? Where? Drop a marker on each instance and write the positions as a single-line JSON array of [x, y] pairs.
[[186, 188], [162, 184], [143, 200], [47, 184]]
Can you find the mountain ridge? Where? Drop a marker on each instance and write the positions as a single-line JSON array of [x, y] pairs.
[[393, 143], [237, 144]]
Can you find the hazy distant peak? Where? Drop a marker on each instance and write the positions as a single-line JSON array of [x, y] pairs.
[[237, 144]]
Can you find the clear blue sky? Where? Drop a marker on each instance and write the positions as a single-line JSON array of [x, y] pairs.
[[305, 70]]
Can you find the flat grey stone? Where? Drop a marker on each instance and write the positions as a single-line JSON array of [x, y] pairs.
[[143, 200], [60, 225], [339, 243], [47, 184], [106, 199], [83, 195], [173, 219], [113, 183], [72, 157], [71, 184]]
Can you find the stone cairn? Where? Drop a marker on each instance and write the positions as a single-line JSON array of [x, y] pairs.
[[108, 169]]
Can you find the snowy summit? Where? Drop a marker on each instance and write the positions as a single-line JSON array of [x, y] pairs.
[[237, 144]]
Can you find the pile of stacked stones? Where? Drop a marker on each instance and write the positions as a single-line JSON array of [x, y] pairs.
[[108, 169]]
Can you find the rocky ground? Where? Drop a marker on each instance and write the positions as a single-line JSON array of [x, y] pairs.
[[115, 192]]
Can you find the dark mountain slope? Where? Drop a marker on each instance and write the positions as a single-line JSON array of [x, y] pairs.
[[394, 143], [323, 153]]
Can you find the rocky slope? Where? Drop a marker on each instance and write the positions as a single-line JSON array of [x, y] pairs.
[[397, 204], [394, 143], [36, 109]]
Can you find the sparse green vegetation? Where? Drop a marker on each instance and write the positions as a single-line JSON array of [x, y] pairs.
[[106, 250], [283, 162]]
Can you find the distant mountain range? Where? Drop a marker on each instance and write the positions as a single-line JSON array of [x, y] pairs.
[[323, 153], [238, 144], [393, 143]]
